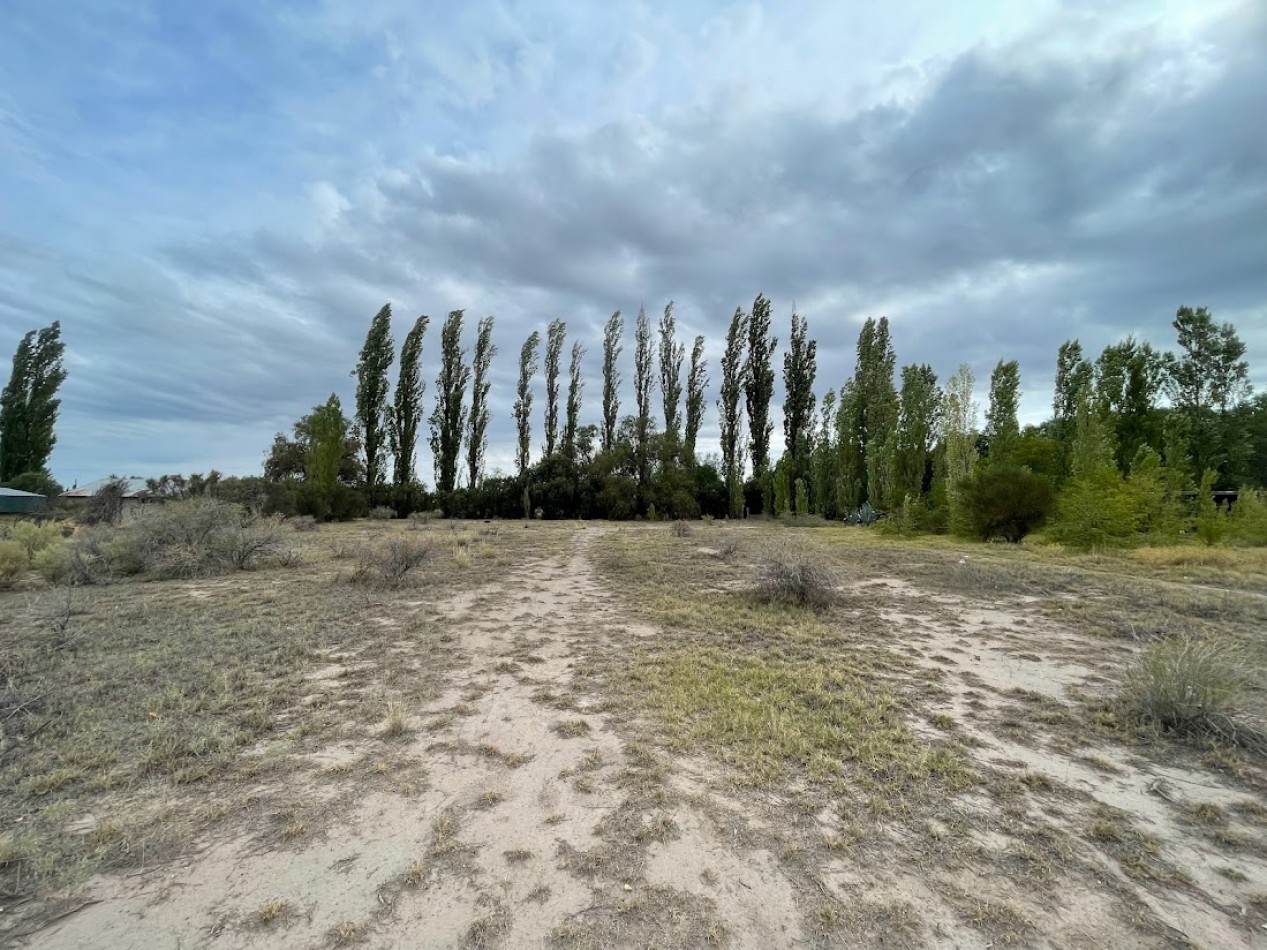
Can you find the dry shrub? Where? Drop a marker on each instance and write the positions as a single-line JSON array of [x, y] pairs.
[[680, 529], [727, 546], [390, 564], [1190, 686], [382, 513], [194, 538], [13, 562], [796, 576], [302, 523]]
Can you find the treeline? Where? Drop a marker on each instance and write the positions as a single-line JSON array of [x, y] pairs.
[[1136, 437]]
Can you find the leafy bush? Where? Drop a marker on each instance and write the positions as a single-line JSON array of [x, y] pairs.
[[33, 536], [1247, 523], [1096, 511], [382, 513], [13, 562], [390, 564], [1005, 501], [1188, 685], [796, 576], [52, 563], [39, 483]]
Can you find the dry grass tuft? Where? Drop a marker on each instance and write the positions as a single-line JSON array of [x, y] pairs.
[[396, 722], [680, 529], [796, 576], [272, 910], [390, 565]]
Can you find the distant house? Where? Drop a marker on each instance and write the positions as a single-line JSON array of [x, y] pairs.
[[14, 502], [136, 496]]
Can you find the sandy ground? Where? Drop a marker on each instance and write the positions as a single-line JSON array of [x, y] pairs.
[[541, 817]]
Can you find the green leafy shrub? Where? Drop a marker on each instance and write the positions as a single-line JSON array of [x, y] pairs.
[[33, 536], [1098, 510], [1005, 501], [13, 562], [1188, 685], [1211, 521], [1247, 523]]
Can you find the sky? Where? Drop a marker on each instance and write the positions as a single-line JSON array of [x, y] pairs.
[[215, 199]]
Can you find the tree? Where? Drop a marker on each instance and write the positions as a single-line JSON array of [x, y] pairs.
[[672, 354], [696, 384], [1002, 500], [823, 481], [734, 378], [448, 419], [287, 459], [960, 439], [759, 383], [1091, 449], [407, 412], [477, 436], [1129, 377], [800, 367], [373, 413], [528, 366], [1073, 381], [1209, 379], [612, 349], [1001, 426], [29, 403], [867, 417], [556, 334], [919, 412], [644, 380], [576, 385], [327, 438]]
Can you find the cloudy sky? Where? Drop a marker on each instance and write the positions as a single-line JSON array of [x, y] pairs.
[[215, 198]]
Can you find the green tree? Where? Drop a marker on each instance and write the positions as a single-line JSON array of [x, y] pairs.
[[1073, 383], [1002, 500], [448, 418], [556, 335], [327, 433], [1129, 377], [1209, 379], [672, 354], [612, 349], [407, 412], [868, 416], [373, 412], [528, 365], [823, 481], [29, 403], [734, 369], [576, 386], [477, 436], [696, 385], [644, 380], [800, 368], [919, 411], [1001, 426], [759, 384], [960, 440]]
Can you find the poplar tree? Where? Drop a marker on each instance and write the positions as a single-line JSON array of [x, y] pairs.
[[1001, 426], [1073, 382], [576, 385], [477, 436], [696, 384], [448, 419], [730, 410], [528, 365], [919, 407], [373, 412], [407, 411], [612, 349], [556, 335], [868, 419], [960, 439], [323, 459], [29, 403], [644, 380], [672, 354], [800, 367], [759, 383]]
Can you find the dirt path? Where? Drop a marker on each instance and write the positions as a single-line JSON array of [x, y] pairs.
[[537, 822]]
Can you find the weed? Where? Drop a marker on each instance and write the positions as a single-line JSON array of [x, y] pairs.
[[389, 565], [796, 577], [1189, 686], [272, 910], [396, 722], [680, 529]]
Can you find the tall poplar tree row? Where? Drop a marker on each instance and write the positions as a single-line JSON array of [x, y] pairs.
[[759, 384], [477, 436], [800, 367], [612, 349], [696, 385], [576, 386], [644, 380], [407, 410], [523, 413], [448, 418], [556, 335], [373, 411], [672, 354], [734, 368]]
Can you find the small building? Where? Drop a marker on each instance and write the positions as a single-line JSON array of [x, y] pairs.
[[14, 502], [136, 495]]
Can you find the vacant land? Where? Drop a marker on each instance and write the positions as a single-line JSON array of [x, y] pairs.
[[565, 735]]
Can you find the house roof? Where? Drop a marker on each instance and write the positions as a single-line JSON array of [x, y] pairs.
[[136, 488], [14, 493]]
